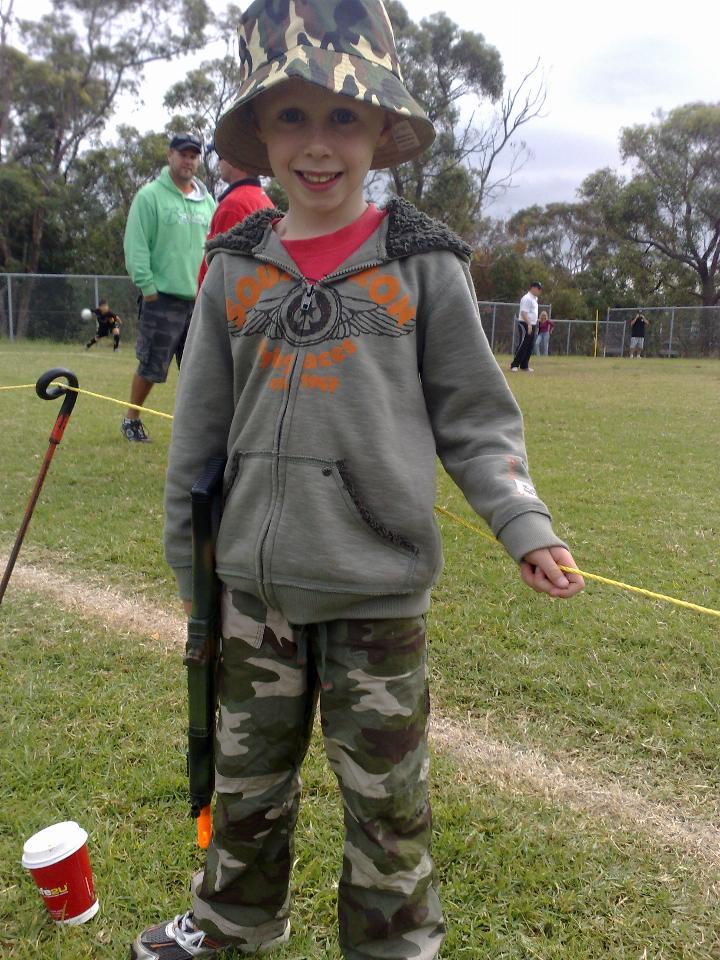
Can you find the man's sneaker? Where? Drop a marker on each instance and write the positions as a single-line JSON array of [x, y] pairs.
[[179, 939], [134, 431]]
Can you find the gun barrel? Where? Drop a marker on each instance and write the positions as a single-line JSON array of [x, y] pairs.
[[201, 649]]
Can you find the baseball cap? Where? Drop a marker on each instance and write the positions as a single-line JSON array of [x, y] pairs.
[[344, 46], [536, 283], [185, 141]]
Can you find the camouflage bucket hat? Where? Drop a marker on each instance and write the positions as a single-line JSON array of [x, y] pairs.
[[344, 46]]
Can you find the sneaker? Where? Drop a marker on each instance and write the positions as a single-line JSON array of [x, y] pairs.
[[513, 369], [527, 370], [134, 431], [180, 939]]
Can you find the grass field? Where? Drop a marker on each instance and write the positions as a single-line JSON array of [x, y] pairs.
[[617, 695]]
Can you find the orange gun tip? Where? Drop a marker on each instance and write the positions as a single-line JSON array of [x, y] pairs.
[[204, 828]]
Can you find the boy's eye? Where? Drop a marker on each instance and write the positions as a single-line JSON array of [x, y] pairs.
[[291, 115], [343, 116]]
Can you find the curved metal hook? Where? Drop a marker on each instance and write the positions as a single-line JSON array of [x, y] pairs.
[[41, 388]]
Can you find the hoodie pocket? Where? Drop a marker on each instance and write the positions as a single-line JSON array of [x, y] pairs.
[[328, 537], [247, 495]]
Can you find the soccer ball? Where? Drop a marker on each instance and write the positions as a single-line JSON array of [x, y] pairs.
[[86, 314]]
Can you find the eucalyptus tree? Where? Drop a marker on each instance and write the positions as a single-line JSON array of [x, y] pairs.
[[61, 77]]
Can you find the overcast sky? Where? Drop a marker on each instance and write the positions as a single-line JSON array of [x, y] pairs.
[[606, 66]]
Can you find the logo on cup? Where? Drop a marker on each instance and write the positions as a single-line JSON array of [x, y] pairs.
[[53, 891]]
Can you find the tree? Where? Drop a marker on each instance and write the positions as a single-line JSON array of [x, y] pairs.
[[448, 69], [85, 54], [441, 64], [515, 109], [563, 235], [206, 92], [670, 206], [103, 185], [19, 197]]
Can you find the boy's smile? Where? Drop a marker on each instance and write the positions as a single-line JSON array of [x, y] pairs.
[[320, 146], [317, 180]]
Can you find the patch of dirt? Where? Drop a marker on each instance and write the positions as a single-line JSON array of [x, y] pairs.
[[524, 771], [514, 769], [123, 611]]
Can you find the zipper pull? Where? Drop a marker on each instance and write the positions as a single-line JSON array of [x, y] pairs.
[[306, 302]]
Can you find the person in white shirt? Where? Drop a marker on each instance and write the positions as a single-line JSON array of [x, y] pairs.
[[527, 328]]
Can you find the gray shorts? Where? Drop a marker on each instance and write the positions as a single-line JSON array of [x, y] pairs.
[[163, 328], [637, 343]]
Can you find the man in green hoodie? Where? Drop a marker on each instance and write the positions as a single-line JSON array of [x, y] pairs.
[[164, 245]]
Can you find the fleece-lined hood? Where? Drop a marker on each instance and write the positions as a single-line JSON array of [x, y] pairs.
[[408, 231]]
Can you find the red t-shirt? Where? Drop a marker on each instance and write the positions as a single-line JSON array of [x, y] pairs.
[[319, 256], [240, 199]]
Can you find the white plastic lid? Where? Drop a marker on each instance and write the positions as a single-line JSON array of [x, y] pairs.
[[53, 844]]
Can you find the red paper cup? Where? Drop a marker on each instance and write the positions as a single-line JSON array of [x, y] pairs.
[[58, 860]]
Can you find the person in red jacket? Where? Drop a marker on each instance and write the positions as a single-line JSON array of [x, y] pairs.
[[244, 195]]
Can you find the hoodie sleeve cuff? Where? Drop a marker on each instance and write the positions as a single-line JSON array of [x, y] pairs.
[[183, 575], [528, 532]]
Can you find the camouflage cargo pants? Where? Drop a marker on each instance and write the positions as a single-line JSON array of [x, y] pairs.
[[371, 679]]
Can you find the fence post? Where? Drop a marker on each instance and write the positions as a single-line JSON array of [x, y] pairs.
[[672, 325], [492, 332], [567, 344], [11, 329], [607, 330]]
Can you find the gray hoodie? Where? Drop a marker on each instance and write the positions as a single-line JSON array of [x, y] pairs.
[[330, 402]]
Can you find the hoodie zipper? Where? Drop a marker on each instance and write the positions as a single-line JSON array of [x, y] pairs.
[[306, 302], [305, 307], [270, 601]]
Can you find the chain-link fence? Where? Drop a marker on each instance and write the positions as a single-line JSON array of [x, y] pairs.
[[568, 338], [673, 331], [498, 320], [577, 338], [47, 306]]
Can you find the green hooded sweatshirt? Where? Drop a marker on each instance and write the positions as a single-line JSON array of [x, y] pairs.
[[165, 237]]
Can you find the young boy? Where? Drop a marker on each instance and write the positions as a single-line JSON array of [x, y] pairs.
[[107, 322], [333, 353]]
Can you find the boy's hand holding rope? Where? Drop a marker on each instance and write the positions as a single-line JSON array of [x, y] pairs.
[[552, 570]]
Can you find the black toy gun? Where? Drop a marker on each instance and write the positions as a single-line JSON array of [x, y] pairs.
[[202, 648]]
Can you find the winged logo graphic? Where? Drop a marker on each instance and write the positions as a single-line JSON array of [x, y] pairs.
[[329, 317]]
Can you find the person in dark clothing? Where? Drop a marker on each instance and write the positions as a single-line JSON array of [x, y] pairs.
[[637, 334], [526, 325], [107, 322]]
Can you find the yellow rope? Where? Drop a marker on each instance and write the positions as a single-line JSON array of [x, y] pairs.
[[464, 523], [591, 576], [123, 403], [99, 396], [452, 516]]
